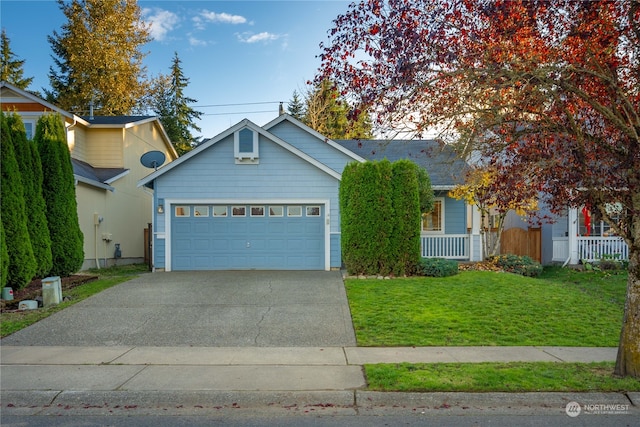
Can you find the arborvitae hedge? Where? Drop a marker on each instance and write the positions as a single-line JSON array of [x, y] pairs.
[[4, 258], [22, 263], [380, 217], [406, 207], [31, 173], [59, 194]]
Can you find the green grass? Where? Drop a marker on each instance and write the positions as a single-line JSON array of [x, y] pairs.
[[497, 377], [107, 277], [562, 308]]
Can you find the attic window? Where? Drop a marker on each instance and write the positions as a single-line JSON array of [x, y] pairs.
[[245, 142]]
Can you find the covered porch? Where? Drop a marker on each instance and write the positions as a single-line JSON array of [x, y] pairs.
[[577, 238], [462, 246]]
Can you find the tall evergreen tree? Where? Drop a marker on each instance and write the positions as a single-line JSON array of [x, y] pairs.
[[60, 196], [331, 115], [296, 106], [11, 68], [30, 167], [171, 104], [4, 258], [22, 263], [97, 57]]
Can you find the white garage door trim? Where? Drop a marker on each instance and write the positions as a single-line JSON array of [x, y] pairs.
[[169, 203]]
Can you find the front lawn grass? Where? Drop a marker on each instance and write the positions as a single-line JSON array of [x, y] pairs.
[[11, 322], [562, 308], [497, 377]]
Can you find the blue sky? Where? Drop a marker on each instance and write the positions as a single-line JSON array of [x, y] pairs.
[[234, 52]]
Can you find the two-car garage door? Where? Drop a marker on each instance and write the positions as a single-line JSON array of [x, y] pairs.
[[247, 236]]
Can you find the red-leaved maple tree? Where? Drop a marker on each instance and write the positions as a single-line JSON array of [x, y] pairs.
[[547, 92]]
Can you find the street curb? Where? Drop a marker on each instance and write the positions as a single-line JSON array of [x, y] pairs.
[[176, 402], [550, 403]]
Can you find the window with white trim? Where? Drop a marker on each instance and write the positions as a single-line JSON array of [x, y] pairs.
[[294, 211], [238, 211], [276, 211], [219, 211], [202, 211], [30, 128], [183, 211], [245, 146], [313, 210], [257, 210], [433, 222]]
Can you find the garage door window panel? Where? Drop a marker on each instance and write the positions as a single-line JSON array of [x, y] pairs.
[[257, 211], [201, 211], [239, 211], [294, 211], [220, 211], [276, 211], [313, 210], [183, 211]]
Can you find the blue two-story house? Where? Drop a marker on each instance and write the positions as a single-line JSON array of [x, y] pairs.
[[266, 198]]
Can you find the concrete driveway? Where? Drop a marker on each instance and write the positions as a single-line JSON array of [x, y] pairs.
[[205, 309]]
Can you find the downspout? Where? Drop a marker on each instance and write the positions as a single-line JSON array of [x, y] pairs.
[[95, 238]]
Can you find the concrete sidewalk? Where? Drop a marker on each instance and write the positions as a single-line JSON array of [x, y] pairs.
[[42, 380]]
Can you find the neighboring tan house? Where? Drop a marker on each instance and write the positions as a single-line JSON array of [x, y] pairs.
[[105, 153], [266, 198]]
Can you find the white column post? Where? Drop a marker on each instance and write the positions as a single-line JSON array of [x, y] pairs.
[[475, 234], [573, 235]]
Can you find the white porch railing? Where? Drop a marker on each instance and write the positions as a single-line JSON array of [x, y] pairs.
[[595, 248], [452, 246], [591, 248]]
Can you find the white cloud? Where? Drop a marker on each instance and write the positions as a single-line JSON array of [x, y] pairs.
[[260, 37], [162, 22], [196, 42], [223, 18]]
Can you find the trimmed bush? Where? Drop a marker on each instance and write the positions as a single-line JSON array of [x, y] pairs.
[[59, 194], [4, 258], [380, 217], [518, 264], [28, 160], [22, 263], [405, 240], [437, 267]]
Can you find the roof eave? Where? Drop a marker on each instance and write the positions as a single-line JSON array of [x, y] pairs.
[[94, 183]]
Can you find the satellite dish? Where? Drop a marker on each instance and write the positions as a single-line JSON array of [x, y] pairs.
[[152, 159]]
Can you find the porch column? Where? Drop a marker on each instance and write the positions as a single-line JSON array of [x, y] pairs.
[[572, 216], [475, 234]]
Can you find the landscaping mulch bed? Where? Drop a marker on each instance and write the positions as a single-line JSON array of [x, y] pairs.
[[34, 290]]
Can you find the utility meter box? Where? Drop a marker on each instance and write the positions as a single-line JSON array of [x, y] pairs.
[[51, 291]]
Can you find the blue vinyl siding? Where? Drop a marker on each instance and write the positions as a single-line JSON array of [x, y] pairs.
[[336, 251], [311, 145], [455, 215], [158, 251]]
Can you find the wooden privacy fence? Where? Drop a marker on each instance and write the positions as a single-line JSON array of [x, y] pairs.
[[518, 241]]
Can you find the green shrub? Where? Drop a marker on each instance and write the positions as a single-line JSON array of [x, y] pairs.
[[4, 258], [612, 262], [30, 167], [518, 264], [22, 263], [380, 217], [59, 193], [405, 240], [437, 267]]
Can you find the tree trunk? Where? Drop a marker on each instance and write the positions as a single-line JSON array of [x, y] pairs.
[[628, 360]]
